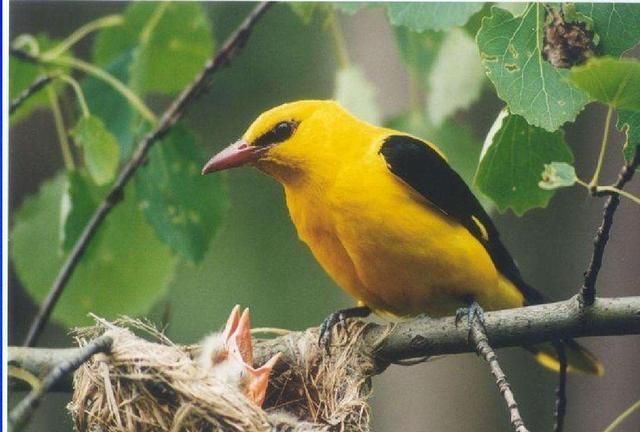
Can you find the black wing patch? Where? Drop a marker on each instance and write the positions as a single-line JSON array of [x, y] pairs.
[[422, 168]]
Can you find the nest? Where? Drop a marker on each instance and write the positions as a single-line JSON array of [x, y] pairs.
[[156, 385]]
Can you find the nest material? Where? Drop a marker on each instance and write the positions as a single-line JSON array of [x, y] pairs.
[[159, 386]]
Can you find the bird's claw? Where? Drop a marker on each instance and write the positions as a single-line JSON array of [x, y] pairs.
[[473, 311], [338, 317]]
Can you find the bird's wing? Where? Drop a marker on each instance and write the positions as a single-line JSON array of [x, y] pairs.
[[420, 166]]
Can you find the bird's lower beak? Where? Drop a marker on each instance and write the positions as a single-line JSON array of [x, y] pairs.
[[237, 154]]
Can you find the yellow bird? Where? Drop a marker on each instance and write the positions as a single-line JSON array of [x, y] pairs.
[[387, 217]]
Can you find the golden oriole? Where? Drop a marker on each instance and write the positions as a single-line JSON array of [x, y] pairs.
[[387, 217]]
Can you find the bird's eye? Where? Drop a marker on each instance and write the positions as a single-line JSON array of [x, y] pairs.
[[282, 131], [279, 133]]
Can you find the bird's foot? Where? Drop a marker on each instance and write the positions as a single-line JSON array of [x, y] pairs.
[[339, 317], [471, 312]]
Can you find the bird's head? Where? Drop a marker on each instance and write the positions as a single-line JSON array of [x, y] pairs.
[[290, 141]]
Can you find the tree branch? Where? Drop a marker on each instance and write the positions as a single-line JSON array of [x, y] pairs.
[[480, 340], [38, 84], [561, 390], [431, 337], [175, 111], [22, 412], [588, 289]]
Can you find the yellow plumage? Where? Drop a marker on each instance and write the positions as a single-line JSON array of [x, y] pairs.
[[381, 240]]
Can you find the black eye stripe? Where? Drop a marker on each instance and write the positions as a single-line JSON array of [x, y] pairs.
[[279, 133]]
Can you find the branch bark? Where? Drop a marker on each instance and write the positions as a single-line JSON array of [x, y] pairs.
[[431, 337], [38, 84], [588, 290], [174, 113], [22, 412], [480, 340]]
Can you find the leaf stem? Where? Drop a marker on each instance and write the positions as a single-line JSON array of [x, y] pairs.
[[622, 417], [105, 76], [27, 40], [608, 190], [73, 38], [339, 42], [603, 149], [153, 21], [78, 91], [615, 190], [60, 130]]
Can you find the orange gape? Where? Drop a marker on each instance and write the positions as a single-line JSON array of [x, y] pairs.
[[386, 216]]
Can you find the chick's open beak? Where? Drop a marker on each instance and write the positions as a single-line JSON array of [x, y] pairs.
[[237, 154]]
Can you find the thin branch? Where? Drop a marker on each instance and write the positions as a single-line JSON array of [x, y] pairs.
[[431, 337], [588, 289], [481, 342], [175, 111], [38, 84], [561, 391], [622, 417], [23, 411]]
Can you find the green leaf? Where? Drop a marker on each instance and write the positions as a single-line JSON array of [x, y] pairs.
[[124, 271], [615, 23], [113, 42], [172, 42], [79, 200], [172, 49], [184, 207], [431, 16], [356, 93], [350, 8], [418, 50], [610, 81], [513, 156], [22, 74], [111, 107], [557, 175], [456, 80], [531, 87], [629, 122], [100, 148], [306, 10]]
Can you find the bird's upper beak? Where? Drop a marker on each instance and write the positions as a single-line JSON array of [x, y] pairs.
[[237, 154]]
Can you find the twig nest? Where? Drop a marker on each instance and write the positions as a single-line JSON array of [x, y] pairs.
[[156, 385]]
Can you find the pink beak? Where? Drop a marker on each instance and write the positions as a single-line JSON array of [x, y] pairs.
[[237, 154]]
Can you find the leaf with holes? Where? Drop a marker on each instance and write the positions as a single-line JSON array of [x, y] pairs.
[[356, 93], [100, 148], [533, 88], [615, 23], [431, 16], [124, 271], [184, 207], [629, 122], [512, 160], [610, 81]]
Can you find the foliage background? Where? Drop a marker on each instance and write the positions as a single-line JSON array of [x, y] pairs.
[[256, 259]]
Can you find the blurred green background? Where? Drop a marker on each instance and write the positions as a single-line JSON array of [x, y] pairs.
[[257, 260]]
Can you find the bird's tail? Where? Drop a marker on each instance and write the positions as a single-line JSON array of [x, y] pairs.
[[579, 359]]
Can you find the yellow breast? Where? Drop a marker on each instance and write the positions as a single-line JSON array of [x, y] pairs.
[[390, 249]]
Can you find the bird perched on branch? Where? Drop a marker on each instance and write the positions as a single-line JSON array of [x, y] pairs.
[[387, 217]]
